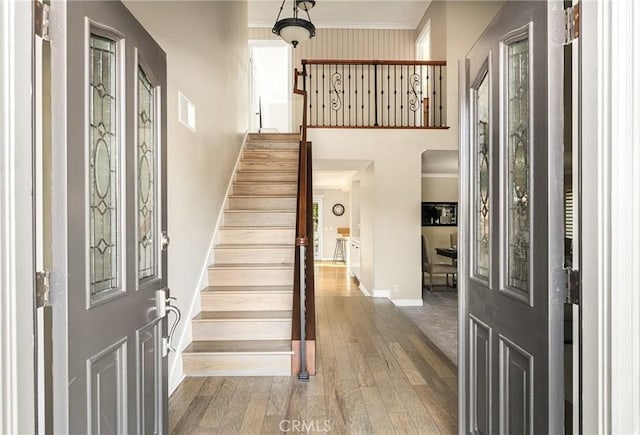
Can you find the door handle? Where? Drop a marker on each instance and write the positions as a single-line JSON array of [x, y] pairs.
[[163, 308]]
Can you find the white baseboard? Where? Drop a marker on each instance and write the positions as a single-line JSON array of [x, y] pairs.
[[173, 386], [381, 294], [176, 372], [364, 290], [407, 302]]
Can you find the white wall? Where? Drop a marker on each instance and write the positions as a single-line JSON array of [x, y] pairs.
[[331, 222], [455, 26], [367, 227], [381, 44], [390, 196], [354, 209], [207, 60]]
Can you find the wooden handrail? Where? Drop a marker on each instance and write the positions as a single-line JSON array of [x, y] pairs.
[[301, 236], [304, 238], [372, 62]]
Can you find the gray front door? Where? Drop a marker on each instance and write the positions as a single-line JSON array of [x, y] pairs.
[[109, 123], [513, 186]]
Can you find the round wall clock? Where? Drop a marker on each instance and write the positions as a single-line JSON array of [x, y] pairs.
[[338, 209]]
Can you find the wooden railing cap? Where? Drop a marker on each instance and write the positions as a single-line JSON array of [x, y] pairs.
[[372, 62]]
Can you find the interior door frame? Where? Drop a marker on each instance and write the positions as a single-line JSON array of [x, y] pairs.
[[555, 212], [609, 96], [17, 368]]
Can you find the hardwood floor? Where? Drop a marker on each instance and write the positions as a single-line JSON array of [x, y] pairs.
[[376, 373]]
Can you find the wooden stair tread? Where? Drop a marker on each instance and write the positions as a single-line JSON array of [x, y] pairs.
[[241, 266], [266, 171], [257, 210], [267, 183], [239, 346], [243, 316], [248, 289], [271, 135], [262, 196], [254, 227], [254, 246]]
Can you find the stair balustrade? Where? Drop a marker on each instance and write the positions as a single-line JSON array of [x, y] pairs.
[[375, 93]]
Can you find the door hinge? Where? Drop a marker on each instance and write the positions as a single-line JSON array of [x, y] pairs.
[[43, 288], [41, 19], [572, 23], [572, 280], [165, 241]]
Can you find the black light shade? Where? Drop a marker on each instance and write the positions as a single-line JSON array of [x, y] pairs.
[[295, 30]]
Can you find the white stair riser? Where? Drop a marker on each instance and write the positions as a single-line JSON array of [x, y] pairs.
[[264, 176], [270, 155], [237, 365], [265, 188], [256, 219], [249, 301], [254, 255], [263, 203], [257, 236], [268, 165], [242, 330], [256, 277]]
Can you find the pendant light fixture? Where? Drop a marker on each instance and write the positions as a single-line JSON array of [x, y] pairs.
[[295, 30]]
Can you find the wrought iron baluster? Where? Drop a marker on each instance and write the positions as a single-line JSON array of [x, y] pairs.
[[388, 96], [324, 95], [413, 90], [310, 78], [362, 91], [369, 95], [395, 95], [426, 89], [440, 107], [375, 93], [349, 94], [343, 94], [434, 96], [317, 94]]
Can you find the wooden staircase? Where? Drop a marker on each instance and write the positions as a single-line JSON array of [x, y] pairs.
[[244, 328]]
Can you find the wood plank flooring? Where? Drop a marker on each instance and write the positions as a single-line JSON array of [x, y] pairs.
[[376, 374]]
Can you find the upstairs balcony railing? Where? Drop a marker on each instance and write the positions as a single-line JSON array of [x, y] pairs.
[[375, 93]]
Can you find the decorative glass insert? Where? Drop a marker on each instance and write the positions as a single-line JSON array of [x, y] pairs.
[[482, 180], [104, 172], [146, 177], [518, 189]]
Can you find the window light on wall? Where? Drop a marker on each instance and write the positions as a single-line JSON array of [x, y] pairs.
[[186, 112]]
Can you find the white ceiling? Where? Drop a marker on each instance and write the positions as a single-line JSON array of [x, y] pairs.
[[353, 14]]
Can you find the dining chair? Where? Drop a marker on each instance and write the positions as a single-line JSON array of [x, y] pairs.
[[453, 240], [434, 268]]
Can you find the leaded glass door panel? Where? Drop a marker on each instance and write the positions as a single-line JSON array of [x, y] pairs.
[[110, 363], [512, 257]]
